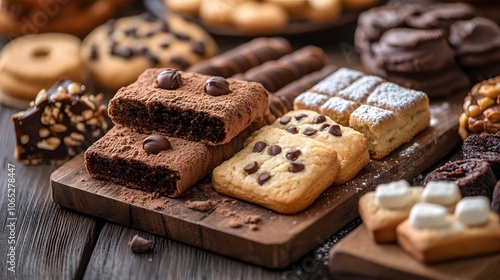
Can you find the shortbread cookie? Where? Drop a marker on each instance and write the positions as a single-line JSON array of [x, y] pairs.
[[192, 106], [350, 145], [137, 43], [154, 163], [254, 17], [431, 234], [385, 208], [61, 122], [31, 63], [243, 57], [278, 170]]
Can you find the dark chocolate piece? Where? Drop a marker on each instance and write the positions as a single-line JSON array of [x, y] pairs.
[[285, 120], [198, 48], [293, 155], [274, 150], [251, 168], [217, 86], [140, 245], [319, 119], [259, 147], [335, 130], [181, 61], [296, 167], [169, 79], [293, 130], [63, 121], [153, 144], [263, 178], [309, 131]]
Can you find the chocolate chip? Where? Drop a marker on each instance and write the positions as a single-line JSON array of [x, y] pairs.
[[153, 144], [163, 26], [140, 245], [274, 150], [181, 36], [310, 131], [293, 154], [112, 47], [335, 130], [198, 48], [319, 119], [150, 34], [296, 167], [165, 45], [293, 130], [301, 116], [285, 119], [182, 62], [259, 147], [110, 27], [217, 86], [323, 126], [151, 57], [94, 52], [169, 79], [123, 53], [263, 178], [251, 168], [132, 32], [148, 17]]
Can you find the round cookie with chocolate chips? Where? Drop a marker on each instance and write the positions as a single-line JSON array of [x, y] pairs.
[[117, 52]]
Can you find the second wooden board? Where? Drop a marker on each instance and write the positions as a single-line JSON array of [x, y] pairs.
[[203, 218]]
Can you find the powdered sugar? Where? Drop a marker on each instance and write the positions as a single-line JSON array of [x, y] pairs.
[[339, 105], [311, 99], [393, 97], [360, 89], [337, 81], [372, 115]]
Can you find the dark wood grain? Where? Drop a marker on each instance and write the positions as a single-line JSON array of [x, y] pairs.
[[112, 259], [280, 239], [389, 261], [51, 242]]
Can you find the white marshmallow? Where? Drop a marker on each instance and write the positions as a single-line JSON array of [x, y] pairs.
[[393, 195], [440, 192], [473, 210], [428, 215]]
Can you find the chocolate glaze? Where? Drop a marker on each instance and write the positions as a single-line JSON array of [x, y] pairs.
[[441, 16]]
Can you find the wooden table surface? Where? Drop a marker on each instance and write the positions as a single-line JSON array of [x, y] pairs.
[[52, 242]]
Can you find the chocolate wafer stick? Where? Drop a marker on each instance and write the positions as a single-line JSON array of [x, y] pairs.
[[276, 74], [244, 57], [282, 100]]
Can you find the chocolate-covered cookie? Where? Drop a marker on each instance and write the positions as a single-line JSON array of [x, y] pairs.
[[441, 16], [477, 46]]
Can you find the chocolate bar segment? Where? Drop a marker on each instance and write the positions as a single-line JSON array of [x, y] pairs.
[[61, 122], [188, 112]]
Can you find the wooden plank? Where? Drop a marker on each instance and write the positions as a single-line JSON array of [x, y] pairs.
[[280, 239], [50, 242], [389, 261], [112, 259]]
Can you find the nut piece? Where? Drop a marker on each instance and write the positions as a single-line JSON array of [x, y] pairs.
[[474, 111], [493, 114], [463, 120], [44, 132], [40, 97], [485, 102], [74, 88], [58, 127], [140, 245], [24, 139], [49, 144], [489, 91]]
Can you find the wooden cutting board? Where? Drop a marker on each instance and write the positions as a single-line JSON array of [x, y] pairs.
[[388, 261], [229, 227]]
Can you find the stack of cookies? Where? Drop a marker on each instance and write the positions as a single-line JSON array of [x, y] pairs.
[[437, 49], [174, 127]]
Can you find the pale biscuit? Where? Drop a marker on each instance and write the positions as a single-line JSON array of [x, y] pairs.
[[189, 7], [259, 17], [34, 62], [451, 241], [117, 52], [350, 145], [278, 170]]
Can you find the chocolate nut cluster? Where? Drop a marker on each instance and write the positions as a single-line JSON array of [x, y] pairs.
[[60, 123], [481, 109]]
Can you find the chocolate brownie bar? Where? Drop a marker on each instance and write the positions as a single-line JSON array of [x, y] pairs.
[[155, 163], [202, 109], [60, 123]]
